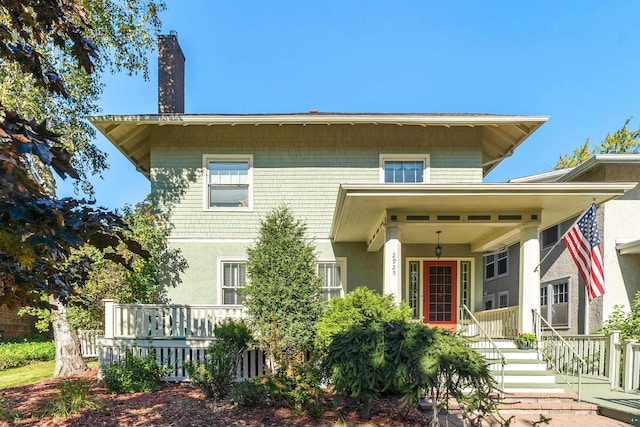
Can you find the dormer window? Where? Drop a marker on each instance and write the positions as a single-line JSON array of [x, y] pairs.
[[404, 168], [228, 182]]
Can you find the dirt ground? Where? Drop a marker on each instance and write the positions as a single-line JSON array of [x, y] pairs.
[[185, 405]]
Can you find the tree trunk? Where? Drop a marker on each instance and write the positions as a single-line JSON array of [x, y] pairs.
[[69, 359], [365, 410]]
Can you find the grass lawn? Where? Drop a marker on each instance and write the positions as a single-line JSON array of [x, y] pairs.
[[30, 373]]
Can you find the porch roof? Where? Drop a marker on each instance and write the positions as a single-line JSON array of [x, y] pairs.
[[487, 216], [131, 134]]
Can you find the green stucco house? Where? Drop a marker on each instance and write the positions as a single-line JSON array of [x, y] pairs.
[[394, 202]]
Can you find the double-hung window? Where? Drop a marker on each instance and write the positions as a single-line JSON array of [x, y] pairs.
[[496, 265], [333, 274], [228, 182], [409, 169], [234, 277]]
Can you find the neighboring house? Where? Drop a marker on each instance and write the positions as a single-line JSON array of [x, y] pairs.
[[12, 325], [380, 193], [562, 291]]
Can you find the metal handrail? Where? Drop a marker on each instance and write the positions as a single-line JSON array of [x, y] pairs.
[[465, 311], [538, 320]]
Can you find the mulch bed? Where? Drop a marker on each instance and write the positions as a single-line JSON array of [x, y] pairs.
[[185, 405]]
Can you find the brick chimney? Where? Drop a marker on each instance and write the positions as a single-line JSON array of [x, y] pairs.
[[170, 74]]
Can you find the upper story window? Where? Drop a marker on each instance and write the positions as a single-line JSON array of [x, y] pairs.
[[404, 168], [550, 236], [234, 277], [332, 274], [496, 265], [229, 182]]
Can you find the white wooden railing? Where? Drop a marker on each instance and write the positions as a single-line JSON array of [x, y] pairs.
[[592, 349], [173, 333], [89, 341], [174, 353], [625, 364], [165, 320], [499, 323]]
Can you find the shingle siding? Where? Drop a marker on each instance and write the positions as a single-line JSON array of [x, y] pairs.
[[299, 166]]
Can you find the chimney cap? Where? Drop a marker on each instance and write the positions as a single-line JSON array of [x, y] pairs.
[[173, 33]]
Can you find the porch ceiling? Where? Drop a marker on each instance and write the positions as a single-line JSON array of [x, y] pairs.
[[361, 210]]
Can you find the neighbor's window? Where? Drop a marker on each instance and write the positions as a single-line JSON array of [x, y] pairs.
[[332, 274], [234, 277], [496, 265], [488, 301], [550, 236], [503, 299], [554, 302], [229, 180], [403, 169]]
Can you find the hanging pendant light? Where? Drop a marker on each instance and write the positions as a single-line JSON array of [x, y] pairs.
[[438, 248]]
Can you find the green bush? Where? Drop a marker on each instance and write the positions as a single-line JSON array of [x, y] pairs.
[[248, 393], [297, 387], [216, 375], [360, 307], [14, 355], [74, 396], [134, 374]]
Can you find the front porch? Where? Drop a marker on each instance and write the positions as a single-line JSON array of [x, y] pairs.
[[180, 333]]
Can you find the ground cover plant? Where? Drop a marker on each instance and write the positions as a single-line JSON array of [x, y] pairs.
[[21, 353]]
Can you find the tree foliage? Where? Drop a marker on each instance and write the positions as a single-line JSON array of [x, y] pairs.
[[622, 141], [625, 321], [38, 231], [133, 279], [283, 295], [55, 54]]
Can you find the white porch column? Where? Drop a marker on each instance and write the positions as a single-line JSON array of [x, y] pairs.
[[529, 295], [392, 269]]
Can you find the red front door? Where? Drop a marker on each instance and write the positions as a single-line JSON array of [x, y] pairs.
[[440, 293]]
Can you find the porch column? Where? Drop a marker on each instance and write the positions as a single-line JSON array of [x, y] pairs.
[[529, 295], [392, 269]]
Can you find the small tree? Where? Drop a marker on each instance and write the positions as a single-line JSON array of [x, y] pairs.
[[283, 295]]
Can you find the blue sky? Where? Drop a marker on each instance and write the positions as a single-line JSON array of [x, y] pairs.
[[575, 61]]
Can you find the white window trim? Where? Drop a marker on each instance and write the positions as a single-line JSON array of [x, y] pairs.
[[206, 158], [496, 275], [411, 157], [222, 261], [500, 294], [343, 266]]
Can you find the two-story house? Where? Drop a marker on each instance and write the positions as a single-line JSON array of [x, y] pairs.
[[394, 202], [563, 300]]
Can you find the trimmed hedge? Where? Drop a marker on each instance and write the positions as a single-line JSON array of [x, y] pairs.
[[14, 355]]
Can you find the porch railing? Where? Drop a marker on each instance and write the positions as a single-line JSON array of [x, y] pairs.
[[89, 341], [165, 320], [558, 353], [499, 323], [174, 354], [474, 329]]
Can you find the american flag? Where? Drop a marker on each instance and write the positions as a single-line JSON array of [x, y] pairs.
[[583, 243]]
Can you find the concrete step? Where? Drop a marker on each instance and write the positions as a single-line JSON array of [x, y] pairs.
[[524, 387], [545, 403], [539, 377], [519, 365]]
